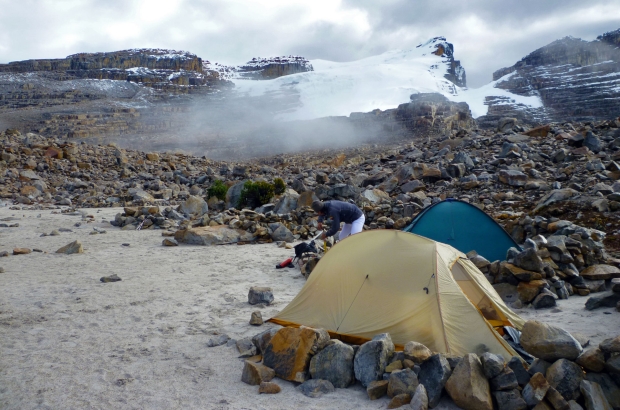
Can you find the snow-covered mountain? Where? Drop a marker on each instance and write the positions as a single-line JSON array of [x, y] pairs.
[[378, 82]]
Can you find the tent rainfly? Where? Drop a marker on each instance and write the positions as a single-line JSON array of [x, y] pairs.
[[464, 227], [415, 289]]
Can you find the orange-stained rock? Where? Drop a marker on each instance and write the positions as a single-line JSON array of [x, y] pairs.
[[269, 388], [399, 401], [289, 353], [529, 290], [21, 251], [53, 153]]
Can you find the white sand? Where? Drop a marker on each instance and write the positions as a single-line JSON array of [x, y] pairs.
[[68, 341]]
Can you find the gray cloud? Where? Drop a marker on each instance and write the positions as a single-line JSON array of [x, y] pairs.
[[487, 34]]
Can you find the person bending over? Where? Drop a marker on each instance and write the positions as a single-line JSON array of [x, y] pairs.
[[339, 211]]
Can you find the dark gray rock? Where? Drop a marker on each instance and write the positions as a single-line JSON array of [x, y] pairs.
[[505, 380], [543, 300], [539, 366], [509, 400], [593, 143], [434, 373], [594, 397], [281, 232], [529, 260], [372, 357], [218, 341], [419, 401], [262, 339], [492, 364], [335, 364], [565, 376], [605, 299], [316, 388], [260, 295], [610, 389], [523, 377]]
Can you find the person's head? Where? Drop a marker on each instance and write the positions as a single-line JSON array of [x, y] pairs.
[[318, 207]]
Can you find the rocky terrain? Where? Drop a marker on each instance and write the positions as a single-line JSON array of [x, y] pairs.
[[575, 79]]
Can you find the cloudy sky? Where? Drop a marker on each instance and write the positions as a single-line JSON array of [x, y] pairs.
[[487, 34]]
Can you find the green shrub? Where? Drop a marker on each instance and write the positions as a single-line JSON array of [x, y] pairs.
[[218, 189], [255, 194], [279, 186]]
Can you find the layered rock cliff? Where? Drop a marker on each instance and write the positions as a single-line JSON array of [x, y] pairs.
[[273, 67], [575, 80]]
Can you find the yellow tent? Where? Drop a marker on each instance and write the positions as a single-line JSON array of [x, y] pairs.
[[388, 281]]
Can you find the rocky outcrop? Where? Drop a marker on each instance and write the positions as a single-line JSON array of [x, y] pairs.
[[456, 73], [574, 79], [273, 67]]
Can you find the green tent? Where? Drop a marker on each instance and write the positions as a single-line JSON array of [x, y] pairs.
[[464, 227]]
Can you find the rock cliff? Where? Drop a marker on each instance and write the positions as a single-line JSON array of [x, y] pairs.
[[575, 79], [273, 67], [456, 73]]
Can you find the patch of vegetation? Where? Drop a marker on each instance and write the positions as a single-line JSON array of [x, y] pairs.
[[255, 194], [218, 189], [279, 186]]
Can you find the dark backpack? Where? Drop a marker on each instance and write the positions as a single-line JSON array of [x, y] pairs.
[[305, 248]]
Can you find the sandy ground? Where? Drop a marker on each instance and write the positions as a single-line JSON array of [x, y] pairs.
[[68, 341]]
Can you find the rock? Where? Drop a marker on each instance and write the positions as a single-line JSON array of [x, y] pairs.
[[402, 382], [523, 377], [287, 203], [492, 364], [258, 295], [594, 397], [218, 341], [535, 391], [512, 177], [468, 387], [399, 401], [595, 286], [377, 389], [376, 195], [505, 380], [233, 195], [245, 347], [604, 299], [539, 366], [416, 352], [290, 350], [269, 388], [335, 364], [610, 389], [371, 358], [111, 278], [529, 260], [615, 285], [611, 345], [520, 274], [315, 388], [592, 359], [612, 366], [262, 339], [21, 251], [549, 342], [281, 232], [556, 400], [395, 365], [170, 242], [434, 373], [529, 290], [419, 400], [212, 235], [194, 205], [598, 272], [509, 400], [256, 319], [557, 195], [256, 373], [544, 300], [565, 376]]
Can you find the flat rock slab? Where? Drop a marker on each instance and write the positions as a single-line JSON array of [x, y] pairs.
[[212, 235], [598, 272]]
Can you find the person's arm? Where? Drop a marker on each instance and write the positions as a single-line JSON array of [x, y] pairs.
[[335, 224]]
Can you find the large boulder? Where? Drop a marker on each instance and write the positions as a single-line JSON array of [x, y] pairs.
[[372, 358], [212, 235], [468, 387], [290, 350], [279, 232], [194, 205], [565, 376], [287, 203], [335, 364], [592, 359], [434, 373], [233, 195], [402, 382], [529, 260], [549, 342]]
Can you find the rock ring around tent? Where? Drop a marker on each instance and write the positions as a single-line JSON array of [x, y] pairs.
[[464, 227], [411, 287]]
